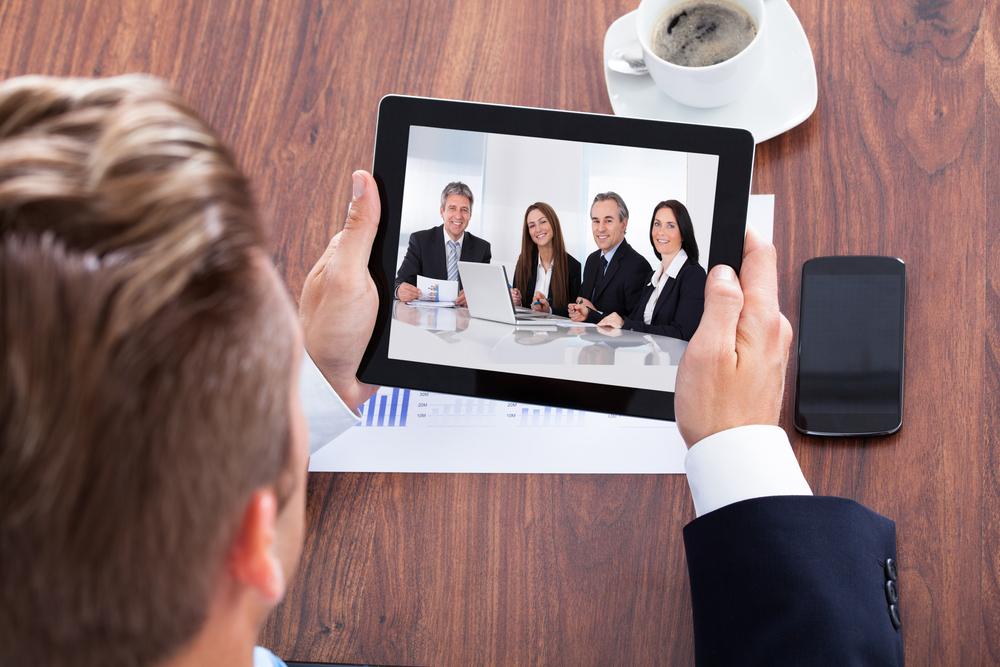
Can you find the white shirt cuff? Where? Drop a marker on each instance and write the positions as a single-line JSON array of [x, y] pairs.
[[325, 411], [742, 463]]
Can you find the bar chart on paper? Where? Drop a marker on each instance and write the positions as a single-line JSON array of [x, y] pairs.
[[395, 407], [407, 430]]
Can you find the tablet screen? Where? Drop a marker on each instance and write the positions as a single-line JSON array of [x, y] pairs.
[[624, 229], [544, 256]]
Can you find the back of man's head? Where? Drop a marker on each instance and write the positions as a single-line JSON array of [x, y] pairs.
[[145, 363]]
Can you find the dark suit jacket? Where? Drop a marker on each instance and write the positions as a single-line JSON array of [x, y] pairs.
[[425, 255], [624, 279], [572, 286], [792, 580], [678, 308]]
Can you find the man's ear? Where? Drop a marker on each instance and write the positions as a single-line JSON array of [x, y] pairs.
[[253, 560]]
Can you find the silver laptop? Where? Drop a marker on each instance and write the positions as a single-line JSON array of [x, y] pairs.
[[488, 296]]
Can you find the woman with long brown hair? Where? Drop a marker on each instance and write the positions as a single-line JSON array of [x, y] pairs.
[[544, 269]]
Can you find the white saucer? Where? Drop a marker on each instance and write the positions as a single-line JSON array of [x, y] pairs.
[[784, 96]]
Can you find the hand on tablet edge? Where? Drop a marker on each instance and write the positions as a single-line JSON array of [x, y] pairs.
[[339, 284]]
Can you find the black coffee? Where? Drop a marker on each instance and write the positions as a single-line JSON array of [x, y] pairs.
[[702, 33]]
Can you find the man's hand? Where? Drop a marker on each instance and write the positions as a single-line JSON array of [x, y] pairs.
[[733, 371], [614, 320], [460, 301], [339, 300], [578, 311], [407, 292]]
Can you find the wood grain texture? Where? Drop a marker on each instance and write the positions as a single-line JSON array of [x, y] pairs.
[[989, 570], [900, 158]]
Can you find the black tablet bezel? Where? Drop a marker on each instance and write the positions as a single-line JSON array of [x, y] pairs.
[[735, 148]]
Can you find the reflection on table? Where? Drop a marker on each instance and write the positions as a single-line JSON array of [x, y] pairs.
[[557, 349]]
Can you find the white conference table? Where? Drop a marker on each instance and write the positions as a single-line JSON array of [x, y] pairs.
[[601, 355]]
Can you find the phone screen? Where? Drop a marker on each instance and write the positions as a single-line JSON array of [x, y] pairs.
[[850, 365]]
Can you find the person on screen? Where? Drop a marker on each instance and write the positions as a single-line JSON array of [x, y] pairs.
[[545, 275], [615, 273], [673, 301], [435, 252], [150, 518]]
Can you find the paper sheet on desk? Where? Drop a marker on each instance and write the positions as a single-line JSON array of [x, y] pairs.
[[569, 324], [431, 304], [432, 289], [405, 430]]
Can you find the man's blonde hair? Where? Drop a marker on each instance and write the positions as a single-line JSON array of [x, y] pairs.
[[145, 367]]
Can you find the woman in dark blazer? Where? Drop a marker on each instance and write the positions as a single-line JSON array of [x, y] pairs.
[[557, 283], [673, 301]]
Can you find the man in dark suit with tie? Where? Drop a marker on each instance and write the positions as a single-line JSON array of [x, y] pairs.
[[615, 273], [435, 252]]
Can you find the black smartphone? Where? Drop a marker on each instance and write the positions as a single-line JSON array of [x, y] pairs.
[[850, 352]]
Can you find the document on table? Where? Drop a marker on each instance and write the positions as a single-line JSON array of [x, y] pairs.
[[417, 303], [442, 291], [569, 324], [404, 430]]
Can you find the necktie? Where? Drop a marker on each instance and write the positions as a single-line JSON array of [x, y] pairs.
[[600, 278], [452, 260]]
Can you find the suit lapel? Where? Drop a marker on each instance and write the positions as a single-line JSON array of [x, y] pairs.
[[616, 262], [667, 289], [436, 260], [641, 303], [587, 288], [664, 295], [467, 243]]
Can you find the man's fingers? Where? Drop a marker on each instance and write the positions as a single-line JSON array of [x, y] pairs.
[[752, 241], [759, 273], [759, 277], [723, 302]]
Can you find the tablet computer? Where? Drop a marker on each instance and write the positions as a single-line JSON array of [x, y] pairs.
[[580, 209]]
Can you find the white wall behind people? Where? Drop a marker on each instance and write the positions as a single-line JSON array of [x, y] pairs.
[[520, 171], [507, 173], [642, 177], [434, 158]]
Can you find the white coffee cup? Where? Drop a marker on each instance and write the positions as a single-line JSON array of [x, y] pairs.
[[705, 87]]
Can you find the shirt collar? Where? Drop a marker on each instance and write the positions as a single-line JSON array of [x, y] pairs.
[[675, 266], [611, 253], [448, 238]]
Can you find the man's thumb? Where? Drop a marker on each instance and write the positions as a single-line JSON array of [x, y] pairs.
[[365, 209], [723, 304], [353, 243]]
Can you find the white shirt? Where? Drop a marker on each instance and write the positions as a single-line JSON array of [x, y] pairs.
[[325, 411], [724, 468], [542, 281], [659, 279]]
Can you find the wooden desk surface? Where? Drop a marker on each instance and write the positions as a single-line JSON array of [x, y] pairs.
[[900, 158]]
